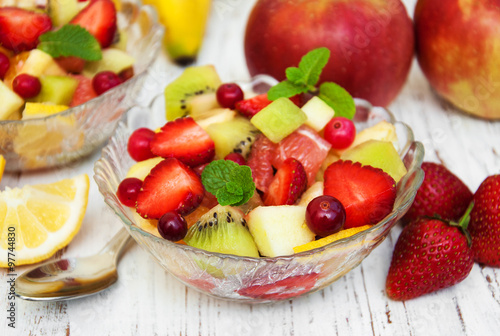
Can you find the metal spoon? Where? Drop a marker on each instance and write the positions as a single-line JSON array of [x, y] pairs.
[[73, 278]]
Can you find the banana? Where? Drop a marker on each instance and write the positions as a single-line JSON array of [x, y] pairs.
[[185, 22]]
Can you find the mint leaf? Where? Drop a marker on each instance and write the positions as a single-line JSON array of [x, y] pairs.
[[231, 183], [285, 89], [312, 65], [338, 99], [296, 76], [71, 40]]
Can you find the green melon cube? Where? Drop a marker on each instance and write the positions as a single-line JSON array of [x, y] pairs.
[[57, 90], [11, 102], [279, 119]]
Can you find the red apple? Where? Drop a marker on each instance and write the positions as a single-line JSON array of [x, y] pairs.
[[458, 49], [371, 42]]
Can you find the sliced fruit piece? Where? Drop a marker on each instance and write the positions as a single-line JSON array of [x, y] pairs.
[[236, 135], [141, 169], [99, 18], [114, 60], [311, 193], [2, 166], [57, 90], [224, 230], [71, 64], [202, 106], [281, 289], [305, 145], [218, 116], [170, 186], [330, 158], [40, 110], [251, 106], [318, 113], [11, 102], [330, 239], [194, 81], [62, 11], [378, 154], [278, 229], [259, 160], [16, 34], [40, 63], [185, 140], [279, 119], [44, 217], [287, 185], [368, 194], [383, 131], [84, 91]]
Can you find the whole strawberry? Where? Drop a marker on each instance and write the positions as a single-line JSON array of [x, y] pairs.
[[441, 194], [484, 224], [430, 254]]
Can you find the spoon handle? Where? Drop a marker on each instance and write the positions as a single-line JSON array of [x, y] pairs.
[[116, 245]]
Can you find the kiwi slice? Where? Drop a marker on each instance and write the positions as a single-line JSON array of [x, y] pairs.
[[224, 230], [236, 135], [193, 82]]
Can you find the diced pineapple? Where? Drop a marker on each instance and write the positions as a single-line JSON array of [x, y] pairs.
[[311, 193], [113, 59], [202, 106], [141, 169], [10, 102], [62, 11], [318, 113], [278, 229], [218, 116], [384, 131], [378, 154], [279, 119], [40, 63]]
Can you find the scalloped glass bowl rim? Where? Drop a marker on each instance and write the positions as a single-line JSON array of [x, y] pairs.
[[157, 30], [269, 80]]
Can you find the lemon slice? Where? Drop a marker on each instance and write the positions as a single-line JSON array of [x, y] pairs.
[[40, 110], [331, 238], [2, 166], [36, 221]]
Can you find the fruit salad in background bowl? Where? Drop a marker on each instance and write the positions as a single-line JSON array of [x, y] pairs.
[[236, 215], [66, 84]]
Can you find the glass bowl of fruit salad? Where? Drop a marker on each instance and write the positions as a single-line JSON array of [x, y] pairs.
[[56, 109], [260, 249]]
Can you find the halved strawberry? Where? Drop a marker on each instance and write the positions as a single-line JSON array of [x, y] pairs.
[[250, 107], [368, 194], [99, 18], [84, 91], [185, 140], [287, 185], [170, 186], [21, 28]]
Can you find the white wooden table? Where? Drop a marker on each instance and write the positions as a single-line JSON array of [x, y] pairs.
[[148, 301]]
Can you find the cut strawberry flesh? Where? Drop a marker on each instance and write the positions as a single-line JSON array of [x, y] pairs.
[[368, 194], [287, 185], [170, 186], [21, 28], [185, 140], [99, 18], [250, 107]]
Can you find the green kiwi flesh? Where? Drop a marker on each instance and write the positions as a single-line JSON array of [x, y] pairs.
[[194, 81], [224, 230]]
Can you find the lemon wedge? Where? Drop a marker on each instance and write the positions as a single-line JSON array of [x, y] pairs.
[[2, 166], [331, 238], [40, 110], [38, 220]]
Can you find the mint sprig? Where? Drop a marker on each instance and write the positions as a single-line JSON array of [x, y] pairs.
[[231, 183], [71, 40], [305, 77]]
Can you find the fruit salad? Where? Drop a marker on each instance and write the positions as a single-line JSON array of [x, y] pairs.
[[59, 56], [258, 175]]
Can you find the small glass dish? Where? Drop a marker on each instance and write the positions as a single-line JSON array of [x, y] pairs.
[[256, 280], [76, 132]]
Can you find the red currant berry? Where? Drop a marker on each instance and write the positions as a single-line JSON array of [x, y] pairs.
[[199, 169], [340, 132], [172, 226], [104, 81], [325, 215], [138, 144], [236, 157], [229, 94], [26, 86], [128, 190], [4, 65]]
